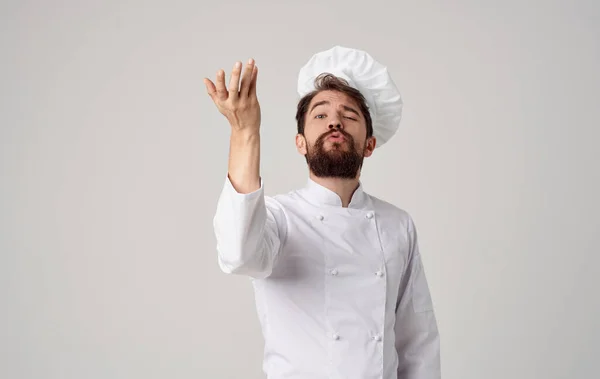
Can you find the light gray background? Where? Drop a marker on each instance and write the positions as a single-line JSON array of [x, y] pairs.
[[113, 156]]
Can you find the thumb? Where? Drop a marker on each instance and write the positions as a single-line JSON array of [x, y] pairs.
[[210, 88]]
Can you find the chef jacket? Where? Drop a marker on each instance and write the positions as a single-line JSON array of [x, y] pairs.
[[340, 292]]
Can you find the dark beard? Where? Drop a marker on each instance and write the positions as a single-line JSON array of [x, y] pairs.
[[337, 162]]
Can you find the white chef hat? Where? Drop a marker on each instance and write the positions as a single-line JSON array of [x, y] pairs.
[[365, 74]]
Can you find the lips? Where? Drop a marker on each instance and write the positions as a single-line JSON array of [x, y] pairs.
[[336, 137]]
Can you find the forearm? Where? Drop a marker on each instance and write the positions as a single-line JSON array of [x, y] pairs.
[[247, 236], [247, 232], [244, 160]]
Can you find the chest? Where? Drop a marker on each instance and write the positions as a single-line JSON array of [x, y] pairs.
[[355, 246]]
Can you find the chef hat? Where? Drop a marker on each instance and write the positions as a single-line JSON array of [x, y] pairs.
[[365, 74]]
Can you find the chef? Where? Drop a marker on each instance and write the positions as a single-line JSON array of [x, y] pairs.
[[340, 287]]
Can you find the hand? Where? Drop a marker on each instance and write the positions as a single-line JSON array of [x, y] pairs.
[[238, 103]]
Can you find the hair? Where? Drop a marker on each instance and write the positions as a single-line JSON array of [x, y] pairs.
[[330, 82]]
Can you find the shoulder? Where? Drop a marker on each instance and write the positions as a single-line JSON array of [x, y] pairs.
[[396, 220], [389, 211], [289, 199], [284, 203]]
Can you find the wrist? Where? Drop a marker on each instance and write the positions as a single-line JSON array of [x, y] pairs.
[[244, 135]]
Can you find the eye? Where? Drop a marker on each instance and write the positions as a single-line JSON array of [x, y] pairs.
[[320, 116], [350, 118]]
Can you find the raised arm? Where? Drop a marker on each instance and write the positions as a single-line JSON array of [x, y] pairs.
[[239, 104], [248, 226]]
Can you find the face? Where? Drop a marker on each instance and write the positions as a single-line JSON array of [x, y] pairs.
[[335, 136]]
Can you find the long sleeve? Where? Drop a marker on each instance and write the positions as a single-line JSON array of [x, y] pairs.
[[249, 229], [417, 336]]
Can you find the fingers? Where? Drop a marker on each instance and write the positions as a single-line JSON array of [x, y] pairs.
[[218, 91], [234, 81], [247, 78], [221, 90], [210, 88], [252, 89]]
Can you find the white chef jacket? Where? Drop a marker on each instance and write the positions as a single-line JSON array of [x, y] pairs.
[[340, 292]]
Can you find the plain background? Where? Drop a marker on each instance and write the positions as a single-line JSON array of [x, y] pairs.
[[113, 157]]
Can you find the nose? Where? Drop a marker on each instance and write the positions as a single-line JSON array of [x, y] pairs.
[[335, 123]]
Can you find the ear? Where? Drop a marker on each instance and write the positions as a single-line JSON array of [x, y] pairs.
[[370, 146], [301, 144]]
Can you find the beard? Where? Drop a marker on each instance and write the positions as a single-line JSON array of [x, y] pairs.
[[337, 162]]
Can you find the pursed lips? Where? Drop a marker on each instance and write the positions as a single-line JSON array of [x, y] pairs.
[[336, 137]]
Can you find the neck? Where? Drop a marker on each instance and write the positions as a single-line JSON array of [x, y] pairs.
[[343, 187]]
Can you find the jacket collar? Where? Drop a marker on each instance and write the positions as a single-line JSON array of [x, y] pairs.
[[320, 195]]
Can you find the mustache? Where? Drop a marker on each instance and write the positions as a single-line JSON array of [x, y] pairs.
[[340, 131]]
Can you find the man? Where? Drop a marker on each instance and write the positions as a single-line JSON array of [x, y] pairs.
[[338, 277]]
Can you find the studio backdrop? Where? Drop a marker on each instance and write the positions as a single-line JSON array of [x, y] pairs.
[[112, 158]]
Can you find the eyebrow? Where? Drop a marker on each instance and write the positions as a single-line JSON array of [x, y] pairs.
[[325, 102]]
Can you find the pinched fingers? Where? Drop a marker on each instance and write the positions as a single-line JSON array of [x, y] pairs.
[[233, 96]]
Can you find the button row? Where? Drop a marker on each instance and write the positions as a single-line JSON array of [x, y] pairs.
[[369, 215], [334, 272], [335, 337]]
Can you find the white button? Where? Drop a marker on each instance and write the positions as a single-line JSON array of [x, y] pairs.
[[334, 272], [370, 215], [335, 336], [377, 338], [320, 217], [379, 273]]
